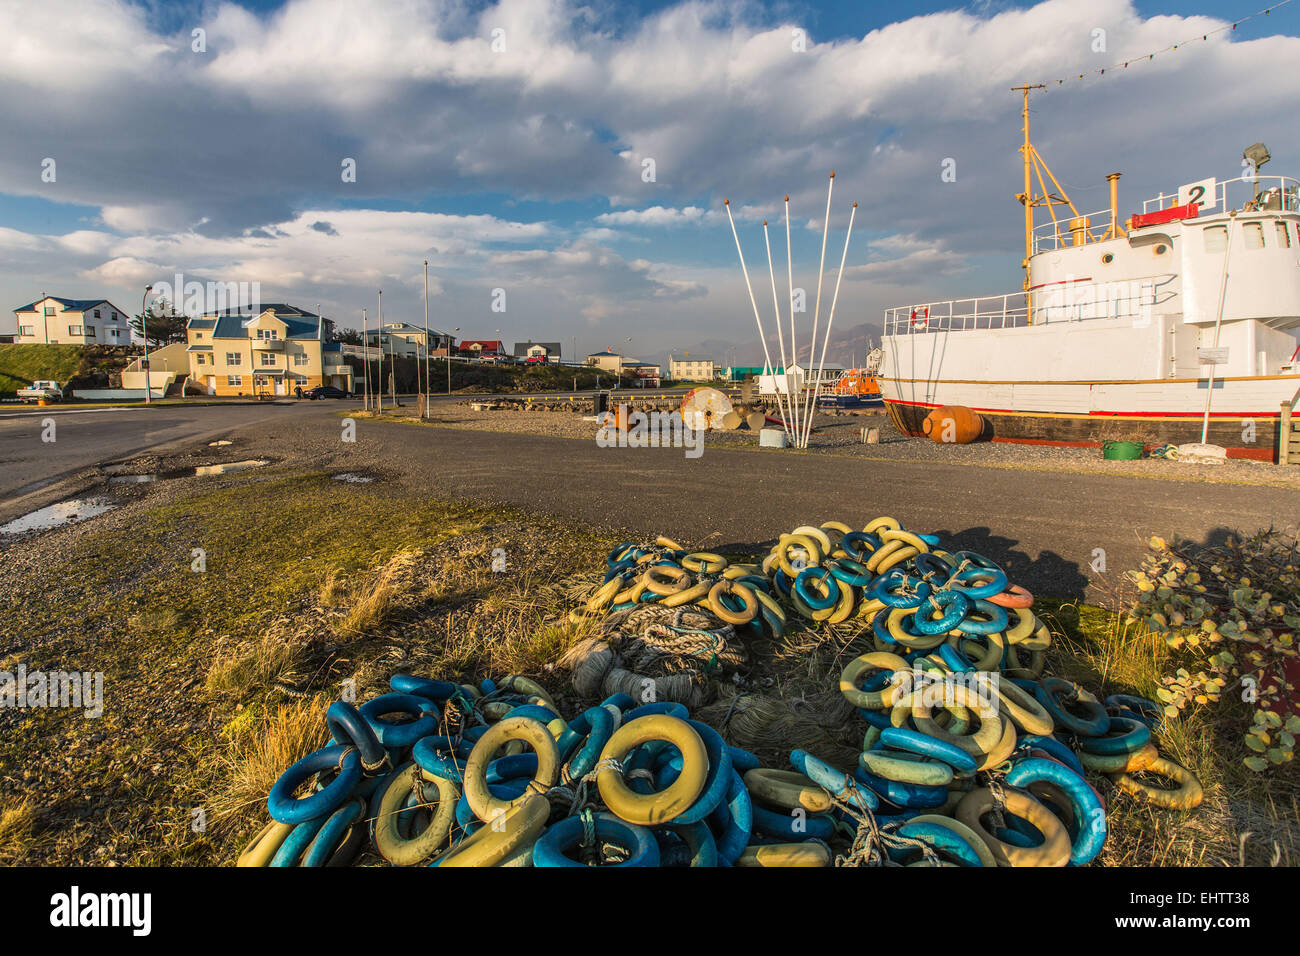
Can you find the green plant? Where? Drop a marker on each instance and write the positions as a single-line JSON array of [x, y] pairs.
[[1231, 612]]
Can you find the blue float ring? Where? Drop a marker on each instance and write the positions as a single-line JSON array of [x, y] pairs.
[[1123, 736], [282, 806], [994, 581], [996, 624], [715, 782], [859, 544], [732, 821], [670, 707], [701, 845], [826, 579], [439, 691], [923, 745], [296, 843], [348, 726], [431, 759], [1054, 747], [1089, 815], [850, 572], [940, 838], [834, 781], [620, 700], [955, 607], [328, 841], [883, 588], [550, 849], [742, 760], [392, 734], [956, 660], [907, 796], [583, 740], [782, 826], [932, 568], [1093, 725], [880, 627]]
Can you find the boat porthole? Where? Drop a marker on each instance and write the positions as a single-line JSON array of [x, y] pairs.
[[1161, 250], [1108, 258]]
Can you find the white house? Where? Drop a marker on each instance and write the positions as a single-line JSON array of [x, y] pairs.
[[58, 321]]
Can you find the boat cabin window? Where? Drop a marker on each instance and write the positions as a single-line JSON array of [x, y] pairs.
[[1254, 232], [1216, 238], [1283, 236]]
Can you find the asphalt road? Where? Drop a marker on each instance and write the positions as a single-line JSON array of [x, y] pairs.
[[1051, 530]]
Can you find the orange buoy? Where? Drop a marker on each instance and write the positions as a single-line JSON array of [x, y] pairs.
[[953, 425]]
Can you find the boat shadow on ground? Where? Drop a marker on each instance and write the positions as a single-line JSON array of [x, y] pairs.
[[1048, 574]]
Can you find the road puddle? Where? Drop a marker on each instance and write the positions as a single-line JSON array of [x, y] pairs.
[[57, 515], [352, 478], [228, 467]]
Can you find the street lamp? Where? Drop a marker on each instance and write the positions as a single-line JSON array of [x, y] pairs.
[[449, 338], [144, 333]]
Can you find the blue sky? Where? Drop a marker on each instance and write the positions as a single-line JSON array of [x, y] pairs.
[[523, 168]]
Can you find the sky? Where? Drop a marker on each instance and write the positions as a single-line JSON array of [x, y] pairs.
[[562, 166]]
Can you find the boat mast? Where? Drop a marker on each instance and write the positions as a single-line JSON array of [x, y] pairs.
[[1027, 197]]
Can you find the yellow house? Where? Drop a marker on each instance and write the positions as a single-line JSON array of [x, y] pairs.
[[280, 349]]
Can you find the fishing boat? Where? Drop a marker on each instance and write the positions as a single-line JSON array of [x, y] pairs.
[[856, 388], [1176, 325]]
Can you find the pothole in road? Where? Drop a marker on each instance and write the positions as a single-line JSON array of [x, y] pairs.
[[227, 467], [119, 474], [354, 478], [57, 515]]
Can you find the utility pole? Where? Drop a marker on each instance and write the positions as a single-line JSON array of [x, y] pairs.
[[144, 332], [427, 389], [365, 362], [379, 389]]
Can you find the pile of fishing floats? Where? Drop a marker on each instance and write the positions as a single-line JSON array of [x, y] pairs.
[[970, 755]]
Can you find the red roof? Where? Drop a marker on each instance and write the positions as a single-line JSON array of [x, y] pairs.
[[493, 345]]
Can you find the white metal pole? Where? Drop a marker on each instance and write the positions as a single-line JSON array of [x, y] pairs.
[[794, 346], [365, 361], [379, 388], [830, 320], [427, 388], [821, 267], [780, 335], [1218, 323], [752, 301]]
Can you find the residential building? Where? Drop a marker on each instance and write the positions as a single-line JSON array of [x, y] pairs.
[[483, 348], [647, 373], [550, 351], [272, 353], [409, 341], [606, 361], [738, 373], [57, 321], [691, 369]]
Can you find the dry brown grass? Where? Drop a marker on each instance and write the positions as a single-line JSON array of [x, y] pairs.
[[262, 746], [378, 602], [17, 826], [334, 592], [254, 668]]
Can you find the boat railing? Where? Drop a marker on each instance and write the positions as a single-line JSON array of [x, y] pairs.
[[1063, 302], [1279, 193], [1058, 234]]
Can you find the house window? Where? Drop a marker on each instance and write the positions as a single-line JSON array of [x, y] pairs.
[[74, 330], [268, 358], [269, 334], [1283, 236], [299, 358], [232, 358], [1254, 233], [97, 313], [114, 316], [90, 331], [234, 380], [49, 310], [112, 333], [25, 330]]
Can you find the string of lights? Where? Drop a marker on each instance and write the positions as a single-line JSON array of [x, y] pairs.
[[1124, 64]]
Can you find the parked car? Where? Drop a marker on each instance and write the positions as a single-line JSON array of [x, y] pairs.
[[536, 359], [45, 391], [325, 391]]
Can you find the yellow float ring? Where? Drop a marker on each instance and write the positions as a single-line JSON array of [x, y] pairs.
[[980, 744], [876, 524], [678, 579], [1024, 710], [690, 595], [854, 671], [991, 654], [669, 543], [262, 848], [661, 807], [787, 789], [1139, 759], [803, 542], [494, 842], [1040, 641], [895, 625], [786, 854], [1187, 796], [704, 561], [817, 534], [906, 553], [1025, 625], [897, 534], [746, 596], [770, 603], [604, 595], [966, 833], [389, 841], [1053, 851], [533, 732]]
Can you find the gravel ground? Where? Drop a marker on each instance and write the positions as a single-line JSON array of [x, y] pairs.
[[838, 433]]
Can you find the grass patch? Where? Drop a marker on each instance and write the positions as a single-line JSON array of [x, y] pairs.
[[20, 365], [17, 823]]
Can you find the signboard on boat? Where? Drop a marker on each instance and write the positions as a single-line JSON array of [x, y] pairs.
[[1215, 356], [1202, 193]]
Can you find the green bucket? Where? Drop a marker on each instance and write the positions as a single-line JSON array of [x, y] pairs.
[[1121, 450]]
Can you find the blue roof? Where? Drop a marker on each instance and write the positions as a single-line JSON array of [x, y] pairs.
[[299, 324], [76, 305]]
